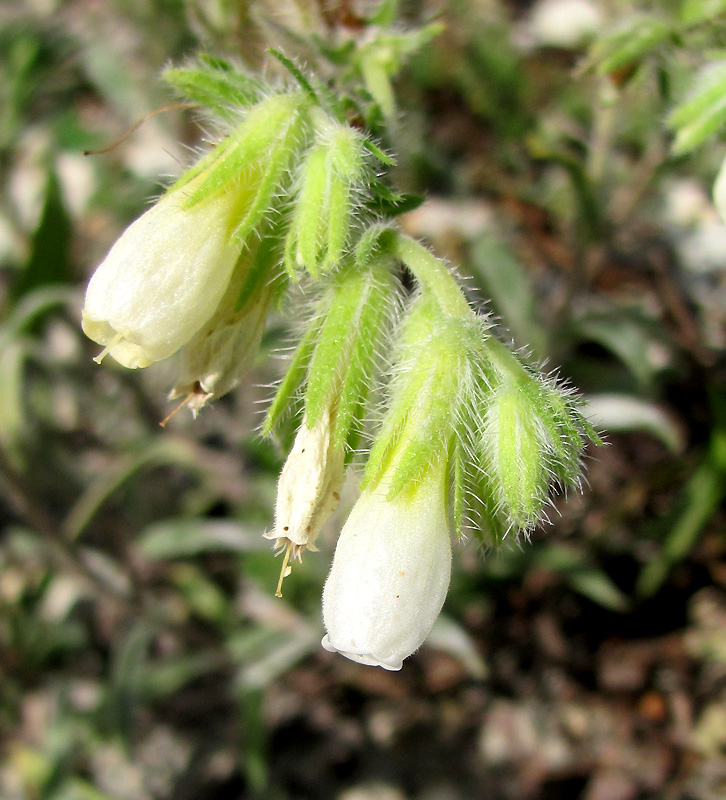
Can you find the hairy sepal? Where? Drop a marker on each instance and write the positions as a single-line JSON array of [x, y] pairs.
[[216, 85], [256, 152], [358, 305], [433, 383]]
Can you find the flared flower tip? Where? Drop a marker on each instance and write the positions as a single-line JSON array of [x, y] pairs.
[[389, 577]]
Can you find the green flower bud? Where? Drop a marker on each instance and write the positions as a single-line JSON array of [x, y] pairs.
[[514, 454], [330, 180]]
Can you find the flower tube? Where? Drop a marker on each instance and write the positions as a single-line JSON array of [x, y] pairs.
[[390, 573], [166, 275], [309, 487], [162, 280]]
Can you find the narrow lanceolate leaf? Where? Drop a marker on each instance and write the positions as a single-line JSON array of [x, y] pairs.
[[379, 154], [703, 113], [630, 44]]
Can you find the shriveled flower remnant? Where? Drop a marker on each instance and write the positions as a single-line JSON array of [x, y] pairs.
[[470, 438]]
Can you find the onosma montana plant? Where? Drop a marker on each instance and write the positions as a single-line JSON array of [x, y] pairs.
[[471, 438]]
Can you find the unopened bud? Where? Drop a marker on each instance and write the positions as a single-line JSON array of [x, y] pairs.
[[330, 178], [514, 455]]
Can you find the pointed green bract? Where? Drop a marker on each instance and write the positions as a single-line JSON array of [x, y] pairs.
[[216, 85], [292, 379]]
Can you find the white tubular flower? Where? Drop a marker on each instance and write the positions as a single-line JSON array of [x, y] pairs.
[[214, 361], [163, 279], [308, 490], [390, 574]]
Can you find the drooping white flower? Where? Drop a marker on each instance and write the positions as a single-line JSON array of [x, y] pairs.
[[390, 573], [309, 487], [163, 279]]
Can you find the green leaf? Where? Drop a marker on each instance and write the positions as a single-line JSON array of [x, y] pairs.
[[703, 113], [621, 412], [699, 501], [12, 403], [186, 538], [32, 307], [450, 637], [128, 660], [376, 151], [590, 581], [201, 595], [165, 677], [385, 13], [693, 12], [633, 339], [49, 259], [637, 38], [296, 72], [510, 289], [161, 452]]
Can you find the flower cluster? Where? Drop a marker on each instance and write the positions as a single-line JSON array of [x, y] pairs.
[[470, 439]]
